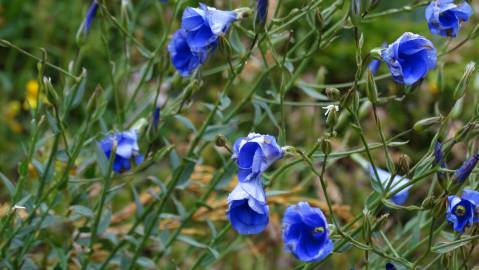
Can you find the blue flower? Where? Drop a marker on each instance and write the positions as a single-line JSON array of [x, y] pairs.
[[198, 36], [439, 157], [204, 25], [390, 266], [90, 15], [156, 116], [183, 58], [409, 58], [261, 10], [466, 168], [462, 212], [444, 17], [374, 66], [254, 154], [127, 149], [247, 208], [306, 233], [398, 181]]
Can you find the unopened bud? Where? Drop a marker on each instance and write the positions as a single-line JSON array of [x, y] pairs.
[[463, 83], [221, 140], [404, 163], [426, 123], [326, 146], [333, 93]]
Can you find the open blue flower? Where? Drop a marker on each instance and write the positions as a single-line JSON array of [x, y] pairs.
[[397, 184], [254, 154], [306, 233], [204, 25], [183, 58], [444, 17], [462, 212], [466, 168], [410, 58], [247, 208], [127, 149]]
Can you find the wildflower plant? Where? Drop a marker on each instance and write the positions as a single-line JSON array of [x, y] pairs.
[[239, 134]]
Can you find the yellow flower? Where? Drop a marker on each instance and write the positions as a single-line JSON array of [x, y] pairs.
[[11, 112], [32, 91]]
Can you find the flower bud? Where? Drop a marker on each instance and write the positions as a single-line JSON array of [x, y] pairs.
[[326, 146], [220, 140], [404, 163], [333, 93], [466, 168], [466, 77], [426, 123]]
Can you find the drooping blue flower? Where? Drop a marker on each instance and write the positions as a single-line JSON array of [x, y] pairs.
[[156, 116], [254, 154], [198, 36], [397, 184], [410, 58], [204, 25], [90, 15], [247, 208], [183, 58], [444, 17], [466, 168], [462, 212], [306, 233], [127, 149], [261, 10]]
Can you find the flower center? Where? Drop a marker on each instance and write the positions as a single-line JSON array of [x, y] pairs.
[[460, 211], [318, 230]]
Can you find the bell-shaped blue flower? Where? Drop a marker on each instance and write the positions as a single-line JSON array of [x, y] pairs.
[[444, 17], [247, 208], [397, 184], [254, 154], [127, 149], [183, 58], [410, 58], [466, 168], [462, 212], [306, 233], [204, 25]]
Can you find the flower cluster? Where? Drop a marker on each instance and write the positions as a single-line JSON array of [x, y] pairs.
[[463, 211], [444, 17], [198, 36], [247, 208]]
